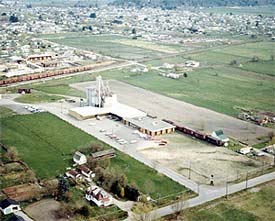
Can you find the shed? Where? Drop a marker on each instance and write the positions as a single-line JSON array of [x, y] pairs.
[[79, 158], [9, 206]]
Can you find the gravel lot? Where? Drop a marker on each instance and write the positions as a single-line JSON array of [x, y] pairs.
[[183, 113], [184, 152]]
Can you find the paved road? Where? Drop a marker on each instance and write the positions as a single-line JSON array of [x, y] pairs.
[[23, 215], [206, 197]]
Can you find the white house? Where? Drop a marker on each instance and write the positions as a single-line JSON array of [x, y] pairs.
[[73, 174], [99, 196], [86, 171], [9, 206], [79, 158]]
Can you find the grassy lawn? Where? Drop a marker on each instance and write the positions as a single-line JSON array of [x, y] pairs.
[[263, 67], [244, 206], [263, 10], [6, 112], [261, 49], [47, 143], [241, 53], [112, 45], [37, 97]]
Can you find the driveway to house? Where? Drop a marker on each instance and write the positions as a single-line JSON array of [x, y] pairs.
[[23, 215]]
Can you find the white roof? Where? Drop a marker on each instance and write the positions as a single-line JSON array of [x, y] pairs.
[[121, 110]]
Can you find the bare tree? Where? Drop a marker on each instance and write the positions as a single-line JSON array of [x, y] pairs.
[[179, 206]]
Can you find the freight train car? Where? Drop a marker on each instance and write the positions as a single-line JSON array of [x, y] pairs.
[[197, 134], [51, 73]]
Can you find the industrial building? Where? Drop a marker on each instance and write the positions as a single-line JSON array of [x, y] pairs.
[[150, 126], [101, 101]]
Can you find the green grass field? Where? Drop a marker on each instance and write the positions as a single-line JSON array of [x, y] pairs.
[[259, 10], [111, 45], [218, 89], [47, 143], [37, 97], [6, 112], [244, 206]]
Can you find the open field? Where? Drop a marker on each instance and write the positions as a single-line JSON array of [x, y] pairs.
[[224, 88], [178, 111], [243, 55], [259, 10], [47, 143], [262, 67], [36, 97], [256, 204], [111, 45], [6, 112], [183, 152]]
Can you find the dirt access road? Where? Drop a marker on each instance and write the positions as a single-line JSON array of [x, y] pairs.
[[182, 113]]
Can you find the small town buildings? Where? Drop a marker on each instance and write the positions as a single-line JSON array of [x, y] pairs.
[[218, 134], [79, 158], [39, 57], [99, 196], [9, 206]]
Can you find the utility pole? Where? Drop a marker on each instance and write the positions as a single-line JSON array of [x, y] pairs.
[[189, 175], [246, 182], [226, 188]]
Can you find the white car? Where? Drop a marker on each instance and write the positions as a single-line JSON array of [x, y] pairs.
[[102, 130], [133, 141]]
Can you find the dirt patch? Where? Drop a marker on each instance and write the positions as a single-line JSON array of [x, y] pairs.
[[23, 192], [183, 153], [44, 210]]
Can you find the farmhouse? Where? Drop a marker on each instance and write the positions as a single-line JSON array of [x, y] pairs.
[[150, 126], [86, 171], [73, 174], [9, 206], [99, 196]]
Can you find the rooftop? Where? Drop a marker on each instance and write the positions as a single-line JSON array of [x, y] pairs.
[[120, 110], [149, 123]]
